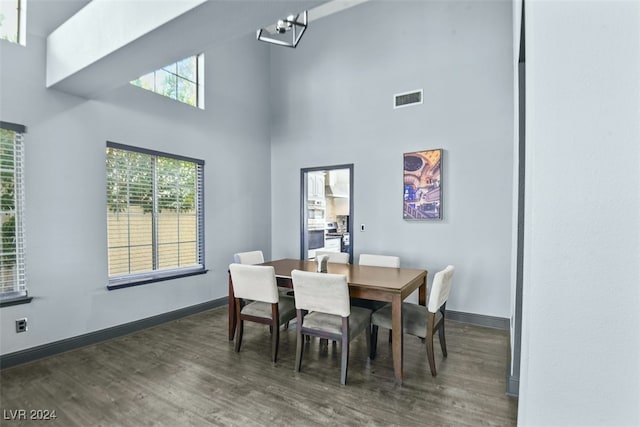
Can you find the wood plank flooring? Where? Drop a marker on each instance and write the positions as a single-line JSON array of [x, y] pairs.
[[186, 373]]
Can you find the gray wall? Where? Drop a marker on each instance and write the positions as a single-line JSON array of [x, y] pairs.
[[332, 99], [65, 188], [581, 317]]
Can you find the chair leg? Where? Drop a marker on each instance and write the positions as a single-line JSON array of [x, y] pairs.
[[368, 338], [299, 351], [274, 343], [373, 342], [275, 329], [239, 324], [443, 342], [430, 356], [390, 335], [429, 339], [239, 330], [299, 341], [345, 350], [345, 360]]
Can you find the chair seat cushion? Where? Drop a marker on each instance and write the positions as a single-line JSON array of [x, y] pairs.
[[358, 320], [414, 318], [286, 309]]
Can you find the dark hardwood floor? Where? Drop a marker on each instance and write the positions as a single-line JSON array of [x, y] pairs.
[[186, 373]]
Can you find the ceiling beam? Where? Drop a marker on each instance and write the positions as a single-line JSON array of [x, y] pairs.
[[109, 43]]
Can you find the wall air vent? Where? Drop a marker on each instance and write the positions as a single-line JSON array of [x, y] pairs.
[[407, 99]]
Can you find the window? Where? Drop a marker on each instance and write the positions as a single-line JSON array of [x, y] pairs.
[[182, 81], [12, 272], [13, 20], [155, 227]]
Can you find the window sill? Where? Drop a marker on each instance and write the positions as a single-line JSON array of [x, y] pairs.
[[158, 277], [15, 301]]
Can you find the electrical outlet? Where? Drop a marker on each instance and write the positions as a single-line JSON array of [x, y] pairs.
[[21, 325]]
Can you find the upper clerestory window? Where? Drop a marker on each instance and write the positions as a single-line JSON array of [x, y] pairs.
[[182, 81], [13, 20]]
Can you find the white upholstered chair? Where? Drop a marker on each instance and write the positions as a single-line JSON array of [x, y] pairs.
[[335, 257], [379, 260], [258, 284], [256, 257], [324, 310], [252, 257], [418, 320]]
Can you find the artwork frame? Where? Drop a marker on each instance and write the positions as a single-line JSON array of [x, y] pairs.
[[422, 185]]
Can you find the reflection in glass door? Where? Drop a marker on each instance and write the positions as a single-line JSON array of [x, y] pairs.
[[326, 210]]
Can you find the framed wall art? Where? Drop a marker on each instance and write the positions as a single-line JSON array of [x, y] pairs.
[[423, 185]]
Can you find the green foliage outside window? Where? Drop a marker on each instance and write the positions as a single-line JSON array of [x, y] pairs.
[[130, 182], [177, 81], [7, 198]]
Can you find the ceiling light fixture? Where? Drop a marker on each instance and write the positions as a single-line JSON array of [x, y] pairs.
[[293, 24]]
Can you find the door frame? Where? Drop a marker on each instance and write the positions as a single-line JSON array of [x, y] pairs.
[[304, 231]]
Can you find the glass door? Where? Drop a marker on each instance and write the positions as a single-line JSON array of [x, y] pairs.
[[326, 210]]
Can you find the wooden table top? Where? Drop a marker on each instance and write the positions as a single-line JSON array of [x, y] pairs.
[[382, 278]]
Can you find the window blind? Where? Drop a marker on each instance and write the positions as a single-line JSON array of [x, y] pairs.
[[12, 203], [155, 215]]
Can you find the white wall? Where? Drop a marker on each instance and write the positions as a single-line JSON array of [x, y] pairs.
[[332, 104], [581, 315], [65, 186]]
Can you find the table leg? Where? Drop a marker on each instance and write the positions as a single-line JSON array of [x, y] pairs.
[[232, 311], [422, 292], [396, 342]]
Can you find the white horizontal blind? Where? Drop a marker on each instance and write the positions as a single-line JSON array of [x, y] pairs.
[[12, 201], [154, 214], [176, 218]]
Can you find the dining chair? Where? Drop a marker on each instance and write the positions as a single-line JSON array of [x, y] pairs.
[[418, 320], [252, 257], [258, 284], [335, 257], [379, 260], [256, 257], [324, 310]]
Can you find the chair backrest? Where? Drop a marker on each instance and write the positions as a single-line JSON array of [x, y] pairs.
[[256, 282], [379, 260], [253, 257], [335, 257], [440, 288], [323, 292]]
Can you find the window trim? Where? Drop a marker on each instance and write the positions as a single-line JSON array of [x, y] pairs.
[[160, 275], [121, 282], [17, 300], [13, 126], [17, 297]]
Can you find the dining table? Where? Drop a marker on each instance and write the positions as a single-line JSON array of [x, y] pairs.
[[387, 284]]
